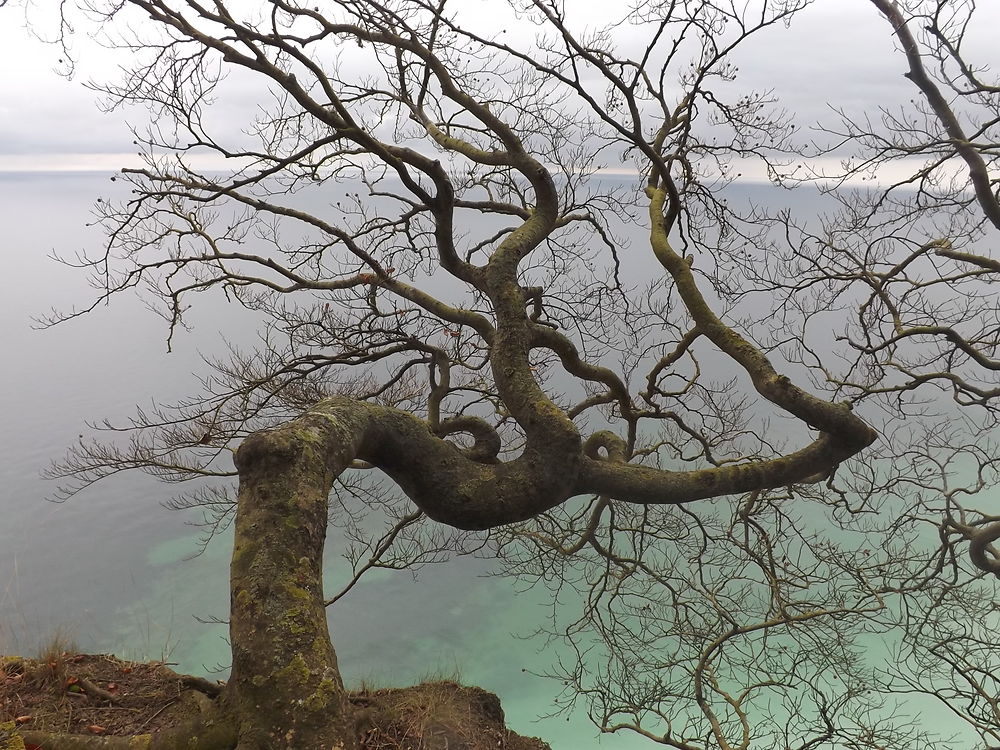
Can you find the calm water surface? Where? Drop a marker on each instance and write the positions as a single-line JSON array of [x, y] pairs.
[[111, 569]]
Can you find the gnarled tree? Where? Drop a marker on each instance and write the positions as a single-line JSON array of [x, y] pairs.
[[419, 213]]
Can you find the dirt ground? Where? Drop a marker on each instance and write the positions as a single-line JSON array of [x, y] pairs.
[[98, 694], [93, 693]]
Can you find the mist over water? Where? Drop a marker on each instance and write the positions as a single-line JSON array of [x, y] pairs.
[[114, 571]]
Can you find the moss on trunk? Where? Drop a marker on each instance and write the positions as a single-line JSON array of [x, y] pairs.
[[285, 689]]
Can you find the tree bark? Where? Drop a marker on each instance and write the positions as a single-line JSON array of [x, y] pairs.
[[285, 690]]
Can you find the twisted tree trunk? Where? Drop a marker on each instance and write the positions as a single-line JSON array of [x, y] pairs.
[[285, 689]]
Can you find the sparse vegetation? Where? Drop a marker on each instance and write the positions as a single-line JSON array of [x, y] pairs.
[[63, 693]]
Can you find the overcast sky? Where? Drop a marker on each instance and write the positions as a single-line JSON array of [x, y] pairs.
[[838, 52]]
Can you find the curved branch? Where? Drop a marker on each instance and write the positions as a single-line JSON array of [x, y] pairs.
[[643, 484], [851, 433], [978, 171], [435, 474], [983, 556]]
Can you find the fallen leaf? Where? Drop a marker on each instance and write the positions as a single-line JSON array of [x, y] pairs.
[[72, 681]]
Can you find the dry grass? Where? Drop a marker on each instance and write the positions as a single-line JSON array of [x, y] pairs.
[[50, 667], [63, 691], [440, 715]]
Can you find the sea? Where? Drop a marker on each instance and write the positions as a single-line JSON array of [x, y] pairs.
[[112, 570]]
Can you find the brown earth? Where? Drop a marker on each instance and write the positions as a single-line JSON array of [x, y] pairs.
[[98, 694]]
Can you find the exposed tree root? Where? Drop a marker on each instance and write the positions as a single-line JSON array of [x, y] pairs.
[[212, 732], [209, 688], [96, 692]]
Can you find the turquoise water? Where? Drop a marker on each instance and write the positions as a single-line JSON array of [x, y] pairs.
[[113, 570], [116, 572]]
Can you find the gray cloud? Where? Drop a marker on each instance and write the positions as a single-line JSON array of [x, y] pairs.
[[837, 53]]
